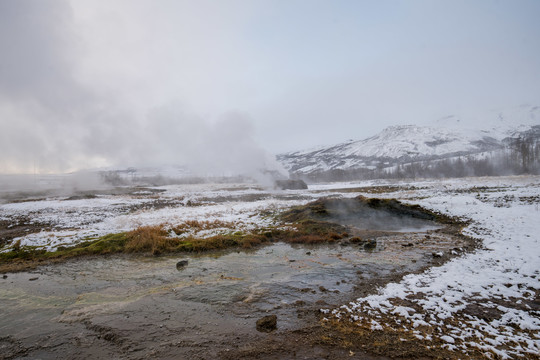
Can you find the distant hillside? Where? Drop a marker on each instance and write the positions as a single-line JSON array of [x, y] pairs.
[[502, 146]]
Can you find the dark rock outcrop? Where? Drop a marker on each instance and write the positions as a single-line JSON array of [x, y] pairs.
[[291, 184]]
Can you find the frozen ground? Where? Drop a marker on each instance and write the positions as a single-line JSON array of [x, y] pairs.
[[486, 302], [64, 220]]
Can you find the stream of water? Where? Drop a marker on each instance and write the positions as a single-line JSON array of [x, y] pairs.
[[136, 306]]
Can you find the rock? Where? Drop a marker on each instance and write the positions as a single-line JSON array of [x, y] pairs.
[[370, 245], [290, 184], [82, 197], [4, 276], [367, 244], [267, 323], [181, 264]]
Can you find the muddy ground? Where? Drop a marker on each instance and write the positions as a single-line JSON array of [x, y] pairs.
[[131, 307]]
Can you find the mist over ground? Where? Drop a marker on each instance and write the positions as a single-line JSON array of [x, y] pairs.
[[218, 87], [55, 119]]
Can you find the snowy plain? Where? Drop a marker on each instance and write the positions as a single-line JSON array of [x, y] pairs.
[[501, 280], [65, 222], [484, 301]]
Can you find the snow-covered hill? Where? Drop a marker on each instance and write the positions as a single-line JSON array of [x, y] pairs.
[[410, 143]]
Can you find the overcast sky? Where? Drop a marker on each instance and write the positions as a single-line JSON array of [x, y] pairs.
[[87, 83]]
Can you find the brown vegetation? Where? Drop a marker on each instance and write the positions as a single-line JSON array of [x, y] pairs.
[[309, 224], [151, 239]]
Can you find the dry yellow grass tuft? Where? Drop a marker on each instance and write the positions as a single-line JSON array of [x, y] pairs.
[[152, 239]]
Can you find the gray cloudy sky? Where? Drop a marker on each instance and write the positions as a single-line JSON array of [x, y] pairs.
[[87, 83]]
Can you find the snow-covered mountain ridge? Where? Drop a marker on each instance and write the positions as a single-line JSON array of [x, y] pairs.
[[409, 143]]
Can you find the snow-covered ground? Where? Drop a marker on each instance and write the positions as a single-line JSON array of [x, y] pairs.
[[239, 206], [487, 300]]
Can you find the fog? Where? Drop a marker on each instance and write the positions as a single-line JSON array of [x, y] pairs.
[[54, 120], [219, 87]]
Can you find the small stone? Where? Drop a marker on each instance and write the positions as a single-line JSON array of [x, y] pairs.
[[370, 245], [181, 264], [33, 279], [308, 253], [4, 276], [267, 323]]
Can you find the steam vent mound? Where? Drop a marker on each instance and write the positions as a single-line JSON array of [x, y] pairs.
[[367, 214], [290, 185]]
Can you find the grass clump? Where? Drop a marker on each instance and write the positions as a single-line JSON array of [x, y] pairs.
[[108, 244], [152, 239], [29, 257]]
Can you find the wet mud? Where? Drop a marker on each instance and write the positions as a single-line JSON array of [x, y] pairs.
[[146, 307]]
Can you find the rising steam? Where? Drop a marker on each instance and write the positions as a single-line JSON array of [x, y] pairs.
[[55, 119]]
